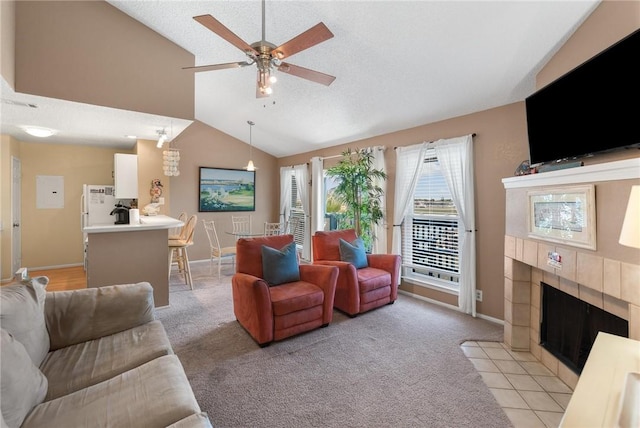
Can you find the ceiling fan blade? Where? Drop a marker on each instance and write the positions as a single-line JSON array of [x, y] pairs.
[[216, 26], [217, 66], [314, 35], [305, 73]]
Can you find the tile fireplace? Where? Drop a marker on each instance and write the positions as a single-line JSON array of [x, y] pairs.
[[607, 278]]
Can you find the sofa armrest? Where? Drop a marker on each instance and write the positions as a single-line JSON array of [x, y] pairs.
[[81, 315]]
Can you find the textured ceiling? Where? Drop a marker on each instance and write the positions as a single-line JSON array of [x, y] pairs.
[[398, 64]]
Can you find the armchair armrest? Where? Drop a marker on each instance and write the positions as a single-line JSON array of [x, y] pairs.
[[81, 315], [252, 305], [391, 263], [325, 277]]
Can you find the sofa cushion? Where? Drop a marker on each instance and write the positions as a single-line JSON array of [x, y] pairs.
[[372, 279], [155, 394], [78, 366], [353, 252], [280, 266], [22, 315], [22, 384]]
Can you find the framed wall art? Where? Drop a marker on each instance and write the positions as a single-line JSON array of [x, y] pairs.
[[566, 215], [226, 190]]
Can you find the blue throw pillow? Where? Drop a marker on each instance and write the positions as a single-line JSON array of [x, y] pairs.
[[353, 253], [280, 266]]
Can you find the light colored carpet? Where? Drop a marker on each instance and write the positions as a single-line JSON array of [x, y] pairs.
[[398, 366]]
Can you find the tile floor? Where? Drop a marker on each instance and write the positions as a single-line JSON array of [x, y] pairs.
[[527, 391]]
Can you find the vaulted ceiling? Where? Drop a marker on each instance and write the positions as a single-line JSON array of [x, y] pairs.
[[398, 64]]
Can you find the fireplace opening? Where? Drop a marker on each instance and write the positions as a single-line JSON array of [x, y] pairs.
[[569, 326]]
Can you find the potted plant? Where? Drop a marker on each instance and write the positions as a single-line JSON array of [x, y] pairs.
[[357, 193]]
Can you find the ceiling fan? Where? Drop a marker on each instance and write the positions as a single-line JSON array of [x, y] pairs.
[[267, 56]]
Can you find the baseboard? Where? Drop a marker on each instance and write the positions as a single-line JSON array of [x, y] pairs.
[[452, 307]]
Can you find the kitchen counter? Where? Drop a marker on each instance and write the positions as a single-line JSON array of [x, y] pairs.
[[597, 399], [129, 253], [146, 223]]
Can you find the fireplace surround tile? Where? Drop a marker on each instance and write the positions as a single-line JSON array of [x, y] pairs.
[[590, 271], [530, 253], [519, 249], [543, 255], [510, 246], [569, 287], [568, 258], [616, 306], [611, 280], [630, 283], [591, 296]]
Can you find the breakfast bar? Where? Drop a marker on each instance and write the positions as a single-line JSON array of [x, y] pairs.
[[130, 253]]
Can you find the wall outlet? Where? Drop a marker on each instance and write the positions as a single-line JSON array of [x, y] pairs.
[[479, 295]]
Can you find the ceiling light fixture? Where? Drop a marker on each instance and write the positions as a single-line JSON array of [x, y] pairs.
[[250, 166], [38, 132], [162, 137]]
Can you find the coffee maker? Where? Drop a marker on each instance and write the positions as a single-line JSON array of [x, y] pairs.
[[122, 213]]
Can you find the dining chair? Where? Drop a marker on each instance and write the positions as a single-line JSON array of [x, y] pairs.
[[217, 251], [177, 232], [178, 250], [272, 229], [241, 225]]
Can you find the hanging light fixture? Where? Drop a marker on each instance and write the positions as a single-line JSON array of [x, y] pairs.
[[162, 137], [171, 156], [250, 166]]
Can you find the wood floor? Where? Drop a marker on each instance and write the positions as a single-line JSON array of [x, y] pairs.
[[71, 278]]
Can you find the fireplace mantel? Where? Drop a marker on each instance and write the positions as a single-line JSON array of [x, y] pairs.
[[619, 170]]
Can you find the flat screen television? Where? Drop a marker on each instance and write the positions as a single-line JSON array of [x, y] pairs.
[[593, 108]]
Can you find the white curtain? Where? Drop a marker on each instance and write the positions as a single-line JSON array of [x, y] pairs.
[[455, 156], [317, 184], [301, 173], [317, 188], [409, 161], [379, 245], [286, 172]]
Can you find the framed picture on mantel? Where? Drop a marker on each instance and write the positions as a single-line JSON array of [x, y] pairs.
[[226, 190], [566, 215]]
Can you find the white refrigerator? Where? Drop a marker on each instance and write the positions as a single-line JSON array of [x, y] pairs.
[[95, 208]]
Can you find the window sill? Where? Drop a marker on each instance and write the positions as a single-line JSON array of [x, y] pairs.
[[434, 285]]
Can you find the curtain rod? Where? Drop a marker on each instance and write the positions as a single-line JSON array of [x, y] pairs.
[[429, 142]]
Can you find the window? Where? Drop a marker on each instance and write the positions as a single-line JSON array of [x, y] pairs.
[[430, 232]]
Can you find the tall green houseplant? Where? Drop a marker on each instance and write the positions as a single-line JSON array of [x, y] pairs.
[[358, 192]]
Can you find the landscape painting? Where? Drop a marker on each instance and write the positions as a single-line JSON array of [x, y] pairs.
[[225, 190]]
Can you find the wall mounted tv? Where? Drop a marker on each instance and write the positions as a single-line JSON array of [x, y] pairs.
[[591, 109]]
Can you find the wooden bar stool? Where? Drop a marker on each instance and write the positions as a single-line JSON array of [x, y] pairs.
[[178, 250]]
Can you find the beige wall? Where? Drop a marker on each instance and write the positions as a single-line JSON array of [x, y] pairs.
[[7, 41], [202, 145], [91, 52], [52, 237]]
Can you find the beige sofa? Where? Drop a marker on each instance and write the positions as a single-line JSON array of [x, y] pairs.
[[93, 357]]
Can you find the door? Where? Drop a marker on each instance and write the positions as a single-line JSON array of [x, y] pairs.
[[16, 197]]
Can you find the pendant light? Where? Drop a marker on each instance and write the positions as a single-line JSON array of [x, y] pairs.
[[250, 166]]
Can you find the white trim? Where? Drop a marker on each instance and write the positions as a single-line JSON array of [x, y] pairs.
[[618, 170]]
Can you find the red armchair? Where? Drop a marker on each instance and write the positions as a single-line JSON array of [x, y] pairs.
[[271, 313], [357, 290]]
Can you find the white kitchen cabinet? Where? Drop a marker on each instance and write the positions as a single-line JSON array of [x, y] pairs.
[[126, 175]]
